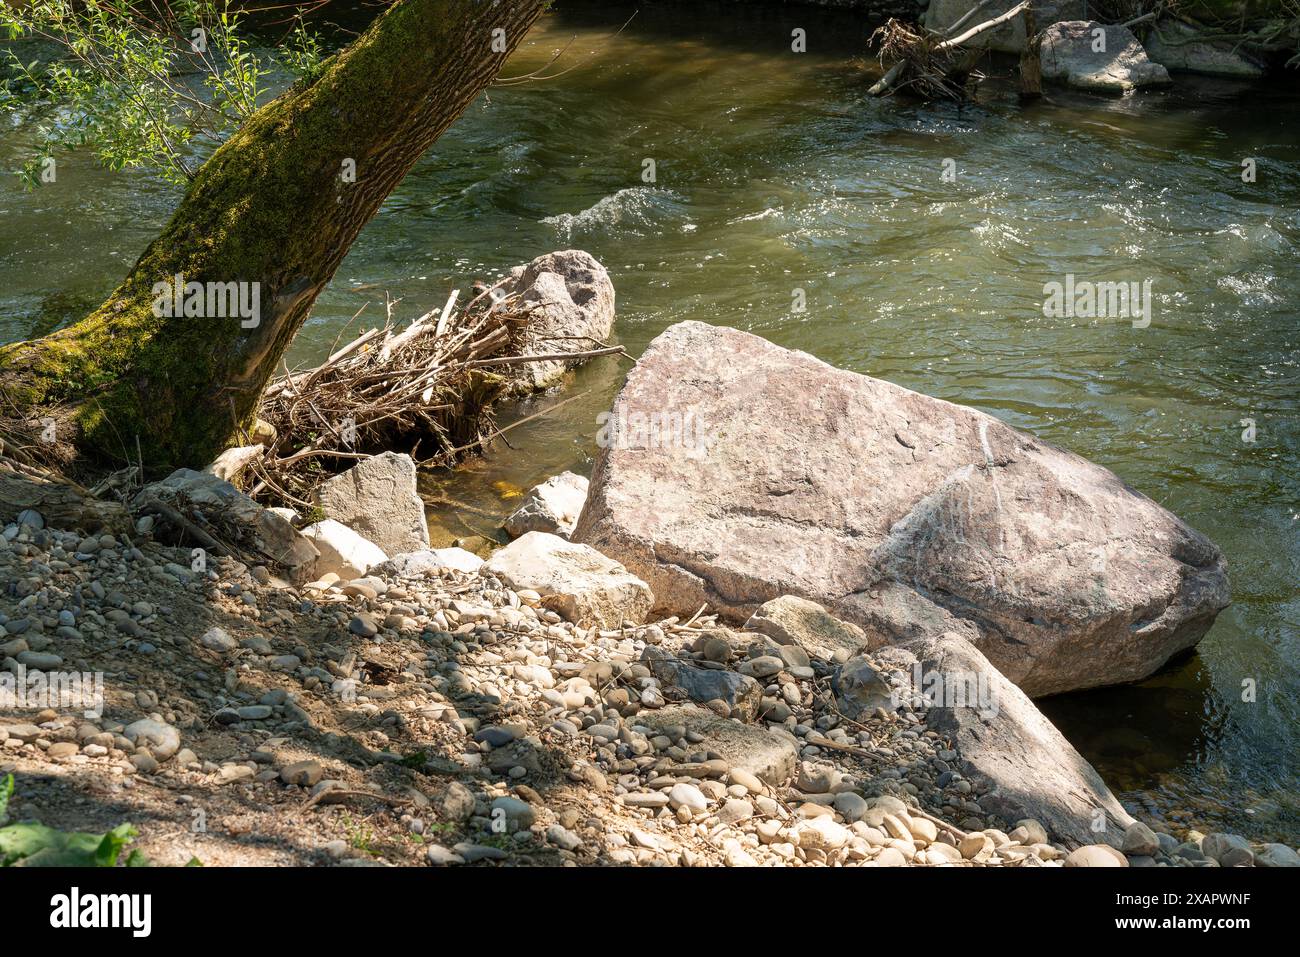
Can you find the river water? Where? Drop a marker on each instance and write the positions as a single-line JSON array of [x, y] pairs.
[[775, 172]]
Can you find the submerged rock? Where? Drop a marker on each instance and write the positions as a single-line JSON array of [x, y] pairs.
[[1099, 57], [377, 500], [553, 506], [577, 581], [904, 514]]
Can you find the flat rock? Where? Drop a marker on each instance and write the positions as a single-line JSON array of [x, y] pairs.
[[742, 693], [791, 620], [553, 506], [770, 756], [1074, 53], [377, 499], [1064, 576], [1003, 742], [428, 561], [577, 581], [1173, 44]]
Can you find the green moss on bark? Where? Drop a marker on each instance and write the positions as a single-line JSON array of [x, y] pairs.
[[270, 206]]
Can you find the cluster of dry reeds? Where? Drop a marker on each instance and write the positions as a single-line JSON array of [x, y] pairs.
[[426, 389]]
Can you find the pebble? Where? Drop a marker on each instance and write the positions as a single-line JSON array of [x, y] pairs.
[[689, 797]]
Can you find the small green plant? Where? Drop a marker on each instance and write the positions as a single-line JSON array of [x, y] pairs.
[[360, 836], [35, 845], [139, 85]]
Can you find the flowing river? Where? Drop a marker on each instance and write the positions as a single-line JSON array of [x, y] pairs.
[[774, 172]]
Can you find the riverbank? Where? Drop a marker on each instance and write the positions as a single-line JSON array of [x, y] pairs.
[[426, 715]]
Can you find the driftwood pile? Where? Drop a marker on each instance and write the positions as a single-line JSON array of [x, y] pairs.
[[936, 66], [426, 389]]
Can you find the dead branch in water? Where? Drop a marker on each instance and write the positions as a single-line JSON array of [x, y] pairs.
[[427, 389], [926, 63]]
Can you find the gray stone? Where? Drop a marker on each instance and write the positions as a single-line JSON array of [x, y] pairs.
[[1068, 54], [518, 815], [1139, 840], [426, 561], [440, 856], [791, 620], [568, 299], [377, 500], [1277, 855], [860, 689], [234, 516], [563, 838], [456, 804], [218, 639], [160, 738], [1083, 583], [1173, 44], [741, 693], [769, 756], [1230, 850], [553, 506], [578, 582], [1024, 767]]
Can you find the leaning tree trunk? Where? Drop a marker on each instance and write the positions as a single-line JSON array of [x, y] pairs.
[[273, 206]]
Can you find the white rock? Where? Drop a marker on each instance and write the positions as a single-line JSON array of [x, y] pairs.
[[342, 551], [218, 639], [583, 585], [553, 506], [416, 564]]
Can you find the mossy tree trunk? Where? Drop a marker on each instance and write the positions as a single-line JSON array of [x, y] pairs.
[[273, 206]]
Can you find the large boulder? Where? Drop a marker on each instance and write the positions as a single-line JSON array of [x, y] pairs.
[[1010, 36], [553, 506], [1174, 45], [219, 508], [904, 514], [377, 499], [567, 300], [578, 582], [1102, 58], [1005, 745]]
